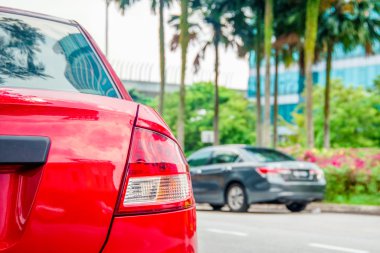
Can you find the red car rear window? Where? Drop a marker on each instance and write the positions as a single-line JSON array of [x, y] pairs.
[[42, 54]]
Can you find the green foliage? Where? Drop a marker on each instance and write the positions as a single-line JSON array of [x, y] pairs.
[[351, 185], [140, 98], [352, 175], [236, 115], [355, 117], [124, 4], [376, 85]]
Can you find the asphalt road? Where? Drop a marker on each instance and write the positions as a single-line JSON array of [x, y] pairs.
[[284, 232]]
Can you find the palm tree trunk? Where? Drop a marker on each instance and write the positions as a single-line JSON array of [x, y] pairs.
[[312, 11], [268, 47], [106, 39], [301, 65], [259, 140], [275, 105], [216, 94], [184, 42], [162, 57], [326, 123]]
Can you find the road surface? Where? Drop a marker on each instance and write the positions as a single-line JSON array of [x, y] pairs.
[[284, 232]]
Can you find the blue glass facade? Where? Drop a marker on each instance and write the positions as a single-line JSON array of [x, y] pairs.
[[352, 68], [355, 76]]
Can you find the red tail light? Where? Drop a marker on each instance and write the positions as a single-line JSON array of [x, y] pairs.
[[158, 177], [264, 171]]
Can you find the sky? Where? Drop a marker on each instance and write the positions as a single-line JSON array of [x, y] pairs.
[[133, 39]]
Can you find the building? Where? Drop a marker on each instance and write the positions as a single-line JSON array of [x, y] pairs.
[[144, 78], [152, 89], [354, 68]]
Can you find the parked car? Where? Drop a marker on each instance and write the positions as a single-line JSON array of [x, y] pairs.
[[83, 168], [240, 175]]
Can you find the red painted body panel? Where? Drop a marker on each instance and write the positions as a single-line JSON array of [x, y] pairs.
[[74, 203], [149, 118], [173, 232], [68, 205]]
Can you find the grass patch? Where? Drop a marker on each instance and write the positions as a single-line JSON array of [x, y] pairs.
[[370, 200]]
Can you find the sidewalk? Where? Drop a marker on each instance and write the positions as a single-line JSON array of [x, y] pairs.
[[341, 208], [311, 208]]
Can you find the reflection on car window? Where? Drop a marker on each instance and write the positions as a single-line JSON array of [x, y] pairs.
[[224, 157], [267, 155], [43, 54], [200, 158]]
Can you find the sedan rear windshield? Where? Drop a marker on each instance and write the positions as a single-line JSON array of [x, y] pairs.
[[268, 155], [41, 54]]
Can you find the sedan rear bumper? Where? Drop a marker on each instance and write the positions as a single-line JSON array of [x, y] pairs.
[[284, 193], [170, 232]]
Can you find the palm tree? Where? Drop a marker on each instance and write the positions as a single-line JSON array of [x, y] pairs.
[[214, 15], [268, 48], [106, 39], [248, 27], [285, 46], [348, 23], [185, 32], [184, 42], [258, 7], [290, 34], [275, 102], [123, 4], [259, 129], [367, 23], [311, 27], [287, 31], [335, 26]]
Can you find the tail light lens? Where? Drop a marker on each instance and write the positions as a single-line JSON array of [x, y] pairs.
[[158, 177], [318, 174], [265, 171]]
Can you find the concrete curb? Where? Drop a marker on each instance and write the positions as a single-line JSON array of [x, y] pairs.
[[341, 208], [311, 208]]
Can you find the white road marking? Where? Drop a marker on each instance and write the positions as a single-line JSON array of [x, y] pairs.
[[336, 248], [219, 231]]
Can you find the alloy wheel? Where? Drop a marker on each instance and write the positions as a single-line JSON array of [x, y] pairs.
[[236, 198]]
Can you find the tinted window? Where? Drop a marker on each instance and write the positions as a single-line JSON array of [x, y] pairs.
[[200, 158], [267, 155], [224, 157], [42, 54]]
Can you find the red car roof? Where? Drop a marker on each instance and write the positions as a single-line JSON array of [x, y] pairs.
[[35, 14]]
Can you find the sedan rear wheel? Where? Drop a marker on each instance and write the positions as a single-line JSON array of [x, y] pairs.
[[296, 207], [236, 198]]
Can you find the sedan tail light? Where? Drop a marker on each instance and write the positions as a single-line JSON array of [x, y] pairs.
[[264, 171], [158, 177], [318, 173]]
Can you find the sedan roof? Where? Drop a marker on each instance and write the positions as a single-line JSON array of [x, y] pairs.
[[36, 15]]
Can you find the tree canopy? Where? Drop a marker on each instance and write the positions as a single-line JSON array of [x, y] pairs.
[[236, 115], [355, 117]]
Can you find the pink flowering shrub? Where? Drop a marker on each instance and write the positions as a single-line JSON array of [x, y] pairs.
[[348, 172]]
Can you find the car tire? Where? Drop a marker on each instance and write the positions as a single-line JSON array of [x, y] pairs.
[[216, 207], [296, 207], [237, 198]]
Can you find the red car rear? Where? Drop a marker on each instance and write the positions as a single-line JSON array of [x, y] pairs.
[[82, 167]]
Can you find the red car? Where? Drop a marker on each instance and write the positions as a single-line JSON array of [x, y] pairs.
[[83, 168]]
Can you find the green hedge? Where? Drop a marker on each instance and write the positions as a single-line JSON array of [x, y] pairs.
[[352, 175]]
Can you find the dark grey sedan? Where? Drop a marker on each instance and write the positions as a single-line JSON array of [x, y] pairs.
[[240, 175]]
